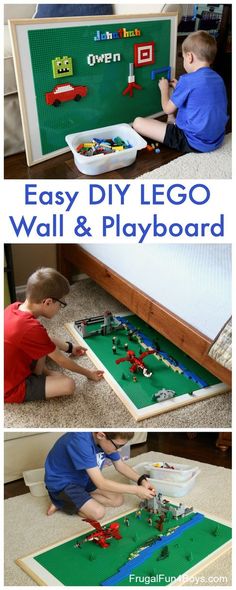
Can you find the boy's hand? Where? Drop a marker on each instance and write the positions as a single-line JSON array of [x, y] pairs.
[[145, 493], [146, 484], [78, 350], [95, 375], [163, 85], [173, 83]]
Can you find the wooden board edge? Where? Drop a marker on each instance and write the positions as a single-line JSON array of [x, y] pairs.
[[191, 572], [74, 19], [14, 23], [19, 561], [147, 411], [21, 91], [196, 569]]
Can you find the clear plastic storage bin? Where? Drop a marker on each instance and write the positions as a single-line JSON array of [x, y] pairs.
[[179, 473], [170, 488], [34, 479], [99, 164]]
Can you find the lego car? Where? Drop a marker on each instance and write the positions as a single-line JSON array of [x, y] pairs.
[[65, 92]]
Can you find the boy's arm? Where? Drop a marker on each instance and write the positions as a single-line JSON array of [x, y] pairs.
[[130, 473], [168, 106], [70, 365], [112, 486], [126, 470], [62, 345]]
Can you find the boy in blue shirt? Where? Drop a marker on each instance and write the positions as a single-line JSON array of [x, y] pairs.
[[199, 97], [74, 479]]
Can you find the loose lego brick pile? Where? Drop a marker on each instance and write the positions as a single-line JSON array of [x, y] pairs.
[[153, 147], [99, 146]]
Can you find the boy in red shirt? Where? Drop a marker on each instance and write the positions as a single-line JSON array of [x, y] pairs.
[[27, 343]]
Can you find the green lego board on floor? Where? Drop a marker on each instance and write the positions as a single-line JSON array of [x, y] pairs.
[[91, 565], [139, 390]]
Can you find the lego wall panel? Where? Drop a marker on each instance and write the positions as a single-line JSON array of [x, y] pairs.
[[72, 74]]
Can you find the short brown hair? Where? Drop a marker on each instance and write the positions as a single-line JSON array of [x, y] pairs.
[[46, 282], [125, 435], [202, 45]]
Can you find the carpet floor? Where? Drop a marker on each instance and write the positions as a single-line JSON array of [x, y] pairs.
[[217, 164], [27, 528], [95, 404]]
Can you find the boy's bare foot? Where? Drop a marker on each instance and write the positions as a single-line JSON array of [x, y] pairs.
[[51, 510]]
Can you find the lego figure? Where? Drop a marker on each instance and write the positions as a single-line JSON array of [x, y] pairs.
[[126, 521], [137, 362]]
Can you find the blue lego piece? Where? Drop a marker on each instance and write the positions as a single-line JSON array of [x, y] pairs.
[[127, 569], [161, 71], [164, 355], [189, 374], [201, 382], [182, 367]]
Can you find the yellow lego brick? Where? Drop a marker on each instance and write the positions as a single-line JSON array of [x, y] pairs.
[[117, 148]]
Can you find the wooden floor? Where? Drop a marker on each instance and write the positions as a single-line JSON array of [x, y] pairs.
[[196, 446], [202, 447], [64, 166]]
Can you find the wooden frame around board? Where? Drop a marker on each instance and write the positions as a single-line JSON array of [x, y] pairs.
[[152, 409], [43, 578], [174, 328], [32, 123]]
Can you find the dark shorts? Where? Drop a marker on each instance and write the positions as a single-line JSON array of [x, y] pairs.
[[72, 498], [175, 139], [35, 388]]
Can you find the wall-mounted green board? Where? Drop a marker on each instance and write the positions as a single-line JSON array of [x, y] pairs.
[[101, 51]]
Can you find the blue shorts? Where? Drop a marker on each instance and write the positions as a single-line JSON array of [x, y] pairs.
[[175, 139], [72, 497]]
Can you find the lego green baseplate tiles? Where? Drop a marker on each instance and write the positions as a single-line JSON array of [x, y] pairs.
[[149, 549], [149, 374], [97, 69]]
